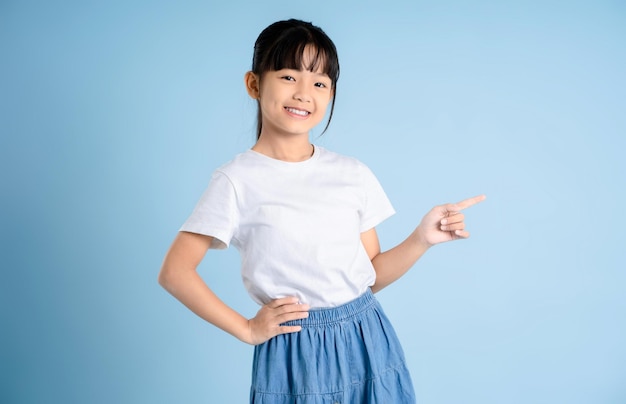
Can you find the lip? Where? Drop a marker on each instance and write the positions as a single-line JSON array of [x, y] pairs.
[[297, 112]]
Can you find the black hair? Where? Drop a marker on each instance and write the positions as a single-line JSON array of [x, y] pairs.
[[282, 45]]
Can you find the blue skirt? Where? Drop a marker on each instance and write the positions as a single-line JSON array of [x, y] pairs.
[[347, 354]]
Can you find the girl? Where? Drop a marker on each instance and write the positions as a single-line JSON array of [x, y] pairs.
[[303, 219]]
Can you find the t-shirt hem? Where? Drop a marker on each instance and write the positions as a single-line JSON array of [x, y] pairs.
[[375, 221]]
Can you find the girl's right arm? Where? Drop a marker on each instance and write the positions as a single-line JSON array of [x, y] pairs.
[[179, 277]]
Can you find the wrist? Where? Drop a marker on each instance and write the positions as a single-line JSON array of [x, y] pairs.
[[419, 240], [245, 333], [240, 328]]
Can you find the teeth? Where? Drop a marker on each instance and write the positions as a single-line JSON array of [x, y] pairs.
[[297, 111]]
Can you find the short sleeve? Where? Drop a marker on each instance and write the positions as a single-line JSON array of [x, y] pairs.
[[216, 212], [376, 206]]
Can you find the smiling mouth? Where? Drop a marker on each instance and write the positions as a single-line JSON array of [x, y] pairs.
[[298, 112]]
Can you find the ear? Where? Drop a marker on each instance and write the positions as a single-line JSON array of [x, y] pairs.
[[252, 82]]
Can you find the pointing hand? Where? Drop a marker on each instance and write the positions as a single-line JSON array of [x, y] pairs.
[[445, 222]]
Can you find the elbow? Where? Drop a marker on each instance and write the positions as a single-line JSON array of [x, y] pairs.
[[165, 278], [377, 287], [172, 278]]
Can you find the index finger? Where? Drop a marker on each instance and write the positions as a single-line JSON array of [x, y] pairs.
[[283, 301], [466, 203]]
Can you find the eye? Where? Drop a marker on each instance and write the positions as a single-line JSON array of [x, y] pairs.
[[322, 85], [288, 78]]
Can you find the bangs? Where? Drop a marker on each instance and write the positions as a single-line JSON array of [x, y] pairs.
[[297, 47], [294, 57]]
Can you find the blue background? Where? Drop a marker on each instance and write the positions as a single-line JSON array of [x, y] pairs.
[[113, 115]]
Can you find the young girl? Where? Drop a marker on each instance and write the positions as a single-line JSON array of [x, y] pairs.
[[303, 219]]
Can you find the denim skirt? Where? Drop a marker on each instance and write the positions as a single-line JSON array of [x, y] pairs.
[[347, 354]]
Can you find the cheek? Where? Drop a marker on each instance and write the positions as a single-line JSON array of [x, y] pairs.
[[326, 101]]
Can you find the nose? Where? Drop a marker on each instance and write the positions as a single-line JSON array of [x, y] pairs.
[[302, 94]]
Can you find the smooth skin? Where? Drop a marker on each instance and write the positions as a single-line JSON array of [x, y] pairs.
[[292, 102]]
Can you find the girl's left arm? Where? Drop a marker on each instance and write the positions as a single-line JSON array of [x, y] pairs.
[[443, 223]]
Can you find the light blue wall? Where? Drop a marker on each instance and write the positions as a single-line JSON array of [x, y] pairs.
[[113, 115]]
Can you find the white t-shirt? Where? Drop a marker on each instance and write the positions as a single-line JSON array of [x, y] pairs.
[[297, 225]]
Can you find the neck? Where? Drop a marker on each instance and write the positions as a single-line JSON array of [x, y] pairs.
[[291, 150]]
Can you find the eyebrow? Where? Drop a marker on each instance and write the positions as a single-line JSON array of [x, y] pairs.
[[322, 75], [302, 70]]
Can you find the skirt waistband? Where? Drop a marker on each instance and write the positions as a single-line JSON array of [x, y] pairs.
[[326, 316]]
